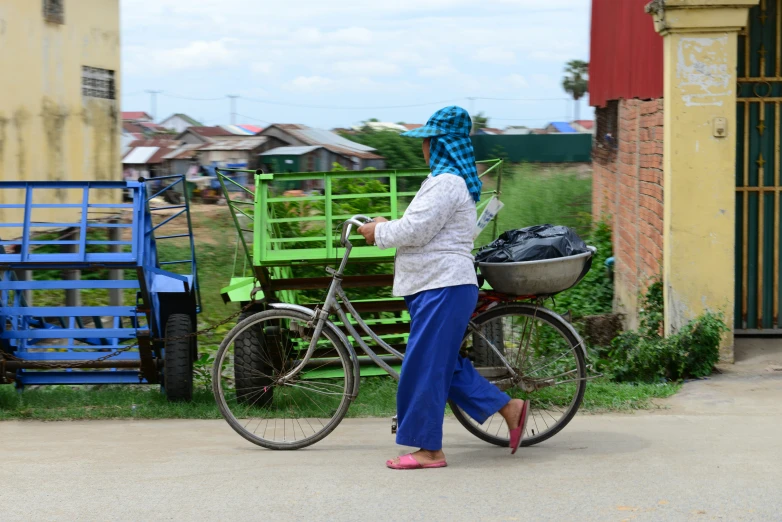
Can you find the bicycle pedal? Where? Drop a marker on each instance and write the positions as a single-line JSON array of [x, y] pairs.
[[393, 425]]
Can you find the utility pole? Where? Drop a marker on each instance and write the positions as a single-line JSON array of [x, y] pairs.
[[153, 103], [472, 113], [233, 107]]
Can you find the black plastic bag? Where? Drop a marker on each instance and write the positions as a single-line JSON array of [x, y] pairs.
[[533, 244]]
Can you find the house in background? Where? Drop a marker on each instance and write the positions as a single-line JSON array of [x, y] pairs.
[[309, 158], [179, 123], [489, 131], [146, 158], [361, 156], [232, 153], [196, 135], [585, 126], [136, 116], [182, 159], [518, 130], [559, 127]]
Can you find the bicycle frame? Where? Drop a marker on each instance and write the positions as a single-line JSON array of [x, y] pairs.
[[338, 302]]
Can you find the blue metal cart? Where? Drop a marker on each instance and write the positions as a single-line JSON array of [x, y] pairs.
[[64, 318]]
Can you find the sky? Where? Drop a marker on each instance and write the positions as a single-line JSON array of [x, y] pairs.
[[336, 63]]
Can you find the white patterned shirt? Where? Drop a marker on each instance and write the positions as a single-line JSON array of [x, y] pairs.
[[434, 238]]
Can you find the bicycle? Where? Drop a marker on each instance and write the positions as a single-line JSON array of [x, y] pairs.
[[284, 378]]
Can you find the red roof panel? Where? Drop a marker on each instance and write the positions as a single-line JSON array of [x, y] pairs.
[[626, 58]]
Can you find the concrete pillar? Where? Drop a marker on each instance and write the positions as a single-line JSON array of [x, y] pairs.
[[700, 48]]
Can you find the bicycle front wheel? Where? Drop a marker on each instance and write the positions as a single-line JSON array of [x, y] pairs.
[[271, 413], [546, 354]]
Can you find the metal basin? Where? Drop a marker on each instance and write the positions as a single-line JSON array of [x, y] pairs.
[[539, 278]]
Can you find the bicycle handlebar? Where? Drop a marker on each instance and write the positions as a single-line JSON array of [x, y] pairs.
[[358, 220]]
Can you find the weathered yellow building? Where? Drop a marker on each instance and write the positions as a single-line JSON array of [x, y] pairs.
[[59, 93]]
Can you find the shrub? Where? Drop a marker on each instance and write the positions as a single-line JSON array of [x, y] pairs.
[[647, 356]]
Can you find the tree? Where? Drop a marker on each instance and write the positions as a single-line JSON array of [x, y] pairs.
[[479, 121], [400, 152], [576, 81]]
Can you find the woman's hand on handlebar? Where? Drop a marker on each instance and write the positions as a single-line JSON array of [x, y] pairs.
[[368, 230]]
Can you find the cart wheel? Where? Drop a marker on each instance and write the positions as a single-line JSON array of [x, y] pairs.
[[482, 352], [178, 359], [250, 371]]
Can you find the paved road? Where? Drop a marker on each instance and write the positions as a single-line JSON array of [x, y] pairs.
[[715, 453]]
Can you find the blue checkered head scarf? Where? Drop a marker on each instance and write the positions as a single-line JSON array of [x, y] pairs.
[[450, 147]]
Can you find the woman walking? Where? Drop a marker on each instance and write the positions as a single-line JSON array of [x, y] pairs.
[[434, 272]]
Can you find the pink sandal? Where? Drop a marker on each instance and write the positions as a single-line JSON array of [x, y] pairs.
[[517, 434], [409, 462]]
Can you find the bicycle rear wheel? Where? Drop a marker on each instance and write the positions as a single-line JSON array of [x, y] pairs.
[[547, 355], [267, 412]]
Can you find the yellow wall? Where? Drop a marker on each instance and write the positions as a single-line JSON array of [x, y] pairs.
[[48, 130], [700, 50]]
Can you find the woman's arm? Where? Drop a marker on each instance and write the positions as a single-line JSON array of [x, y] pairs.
[[431, 209]]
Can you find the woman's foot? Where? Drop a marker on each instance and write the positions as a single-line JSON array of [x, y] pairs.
[[511, 412], [515, 414], [423, 457]]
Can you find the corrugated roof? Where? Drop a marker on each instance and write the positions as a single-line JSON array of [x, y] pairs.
[[183, 153], [324, 137], [290, 151], [562, 127], [159, 156], [237, 130], [134, 116], [140, 155], [587, 124], [193, 122], [245, 144], [210, 131], [352, 153], [155, 142], [252, 128]]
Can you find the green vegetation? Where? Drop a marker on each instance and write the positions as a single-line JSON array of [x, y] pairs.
[[400, 152], [647, 356], [576, 81], [377, 399]]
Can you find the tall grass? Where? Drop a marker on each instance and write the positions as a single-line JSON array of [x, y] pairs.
[[535, 195]]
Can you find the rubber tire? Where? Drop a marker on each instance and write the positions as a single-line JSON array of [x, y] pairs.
[[178, 359], [248, 350], [339, 414], [483, 355], [575, 342]]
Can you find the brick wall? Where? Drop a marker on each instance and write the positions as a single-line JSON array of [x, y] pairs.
[[628, 192]]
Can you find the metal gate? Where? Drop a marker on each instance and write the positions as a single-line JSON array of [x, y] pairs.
[[758, 183]]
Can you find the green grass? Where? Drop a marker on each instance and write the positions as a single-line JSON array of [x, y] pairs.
[[377, 399], [535, 195]]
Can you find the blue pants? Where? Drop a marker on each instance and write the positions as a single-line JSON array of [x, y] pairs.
[[433, 371]]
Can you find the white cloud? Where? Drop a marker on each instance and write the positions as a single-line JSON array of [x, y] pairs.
[[544, 80], [437, 71], [366, 68], [351, 53], [194, 56], [312, 83], [516, 81], [495, 55], [262, 67], [552, 56], [353, 35]]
